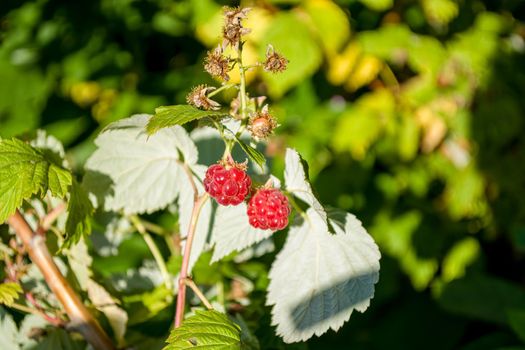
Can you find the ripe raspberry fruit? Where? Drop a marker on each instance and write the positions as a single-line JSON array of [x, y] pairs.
[[229, 184], [268, 209]]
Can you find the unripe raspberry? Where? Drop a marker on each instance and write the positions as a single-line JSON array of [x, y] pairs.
[[268, 209], [229, 184], [262, 124]]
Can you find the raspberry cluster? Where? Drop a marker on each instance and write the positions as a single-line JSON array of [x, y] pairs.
[[229, 186], [268, 209]]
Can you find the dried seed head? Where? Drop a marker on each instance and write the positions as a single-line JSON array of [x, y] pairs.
[[217, 64], [197, 98], [274, 62], [233, 29], [262, 124]]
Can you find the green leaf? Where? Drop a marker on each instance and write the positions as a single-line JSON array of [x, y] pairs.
[[58, 339], [9, 293], [483, 297], [318, 279], [303, 52], [440, 12], [166, 116], [378, 5], [254, 155], [80, 210], [137, 173], [331, 23], [25, 171], [517, 322], [209, 329], [460, 256]]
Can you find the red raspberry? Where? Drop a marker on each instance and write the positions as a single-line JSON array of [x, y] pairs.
[[268, 209], [229, 186]]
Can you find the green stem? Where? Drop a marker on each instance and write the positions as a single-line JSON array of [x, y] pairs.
[[24, 308], [243, 82], [154, 228], [297, 207], [189, 282], [224, 87], [154, 251]]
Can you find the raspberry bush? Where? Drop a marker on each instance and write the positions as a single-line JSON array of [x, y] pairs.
[[146, 164]]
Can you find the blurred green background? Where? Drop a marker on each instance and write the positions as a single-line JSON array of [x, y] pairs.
[[410, 114]]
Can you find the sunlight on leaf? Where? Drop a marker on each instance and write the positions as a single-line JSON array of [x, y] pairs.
[[318, 278]]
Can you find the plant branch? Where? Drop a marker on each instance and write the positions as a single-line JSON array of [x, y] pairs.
[[157, 255], [189, 282], [154, 228], [50, 218], [224, 87], [181, 296], [56, 321], [243, 81], [80, 318]]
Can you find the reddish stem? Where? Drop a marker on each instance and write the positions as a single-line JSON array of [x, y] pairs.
[[181, 296], [80, 318], [55, 321]]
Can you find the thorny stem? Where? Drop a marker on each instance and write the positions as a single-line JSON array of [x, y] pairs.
[[189, 282], [80, 318], [154, 251], [181, 296]]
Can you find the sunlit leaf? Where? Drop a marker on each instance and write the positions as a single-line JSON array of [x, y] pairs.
[[79, 210], [297, 183], [8, 331], [104, 302], [9, 293], [167, 116], [303, 52], [137, 173], [26, 171], [330, 22], [210, 330], [318, 279], [460, 256], [378, 5], [233, 232]]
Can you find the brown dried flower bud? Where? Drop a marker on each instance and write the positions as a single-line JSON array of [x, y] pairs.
[[217, 64], [262, 124], [274, 62], [197, 98], [233, 29]]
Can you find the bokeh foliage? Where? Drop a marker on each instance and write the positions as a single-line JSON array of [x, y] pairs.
[[410, 114]]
